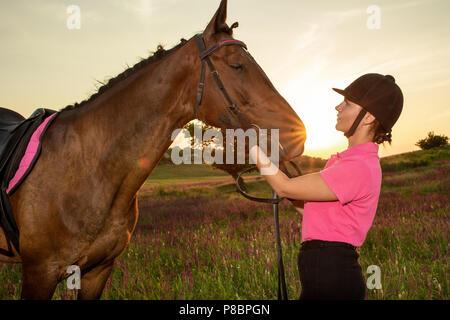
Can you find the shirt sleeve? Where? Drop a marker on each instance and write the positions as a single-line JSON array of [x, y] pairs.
[[348, 180]]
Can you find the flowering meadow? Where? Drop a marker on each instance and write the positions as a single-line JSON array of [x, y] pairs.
[[196, 240]]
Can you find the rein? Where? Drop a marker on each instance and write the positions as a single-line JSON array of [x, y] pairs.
[[282, 291]]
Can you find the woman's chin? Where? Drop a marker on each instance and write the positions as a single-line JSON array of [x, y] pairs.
[[339, 127]]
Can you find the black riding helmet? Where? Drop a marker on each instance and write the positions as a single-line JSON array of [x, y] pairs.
[[379, 95]]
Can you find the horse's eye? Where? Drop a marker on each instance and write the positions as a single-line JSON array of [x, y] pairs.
[[236, 66]]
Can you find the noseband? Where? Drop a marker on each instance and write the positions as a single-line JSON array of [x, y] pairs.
[[204, 55]]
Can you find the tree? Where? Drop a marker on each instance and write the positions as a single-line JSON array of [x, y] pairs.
[[432, 141]]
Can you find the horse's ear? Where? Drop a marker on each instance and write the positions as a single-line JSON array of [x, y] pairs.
[[218, 24]]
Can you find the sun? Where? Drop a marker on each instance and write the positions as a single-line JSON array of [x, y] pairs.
[[315, 105]]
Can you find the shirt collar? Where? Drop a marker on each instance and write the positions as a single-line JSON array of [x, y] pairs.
[[367, 148]]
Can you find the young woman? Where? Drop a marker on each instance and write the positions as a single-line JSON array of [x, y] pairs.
[[341, 200]]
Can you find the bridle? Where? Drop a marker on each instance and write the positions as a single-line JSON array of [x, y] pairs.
[[204, 54], [241, 122]]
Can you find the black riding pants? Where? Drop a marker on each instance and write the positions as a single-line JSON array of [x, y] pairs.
[[330, 270]]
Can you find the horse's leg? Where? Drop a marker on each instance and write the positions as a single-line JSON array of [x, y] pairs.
[[38, 282], [93, 282]]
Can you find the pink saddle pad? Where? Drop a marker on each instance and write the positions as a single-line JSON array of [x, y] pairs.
[[31, 154]]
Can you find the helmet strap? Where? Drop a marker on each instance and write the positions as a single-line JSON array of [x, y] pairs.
[[358, 119]]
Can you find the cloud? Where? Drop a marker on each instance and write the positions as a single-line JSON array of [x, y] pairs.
[[437, 84], [324, 24], [141, 8], [308, 37], [408, 4], [316, 42], [338, 17]]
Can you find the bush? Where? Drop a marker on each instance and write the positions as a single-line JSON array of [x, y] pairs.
[[432, 141]]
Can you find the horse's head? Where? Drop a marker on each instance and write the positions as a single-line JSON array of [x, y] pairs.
[[248, 87]]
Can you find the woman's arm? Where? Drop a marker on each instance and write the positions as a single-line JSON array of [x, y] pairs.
[[309, 187]]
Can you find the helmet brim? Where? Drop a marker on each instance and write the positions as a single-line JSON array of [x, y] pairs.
[[340, 91]]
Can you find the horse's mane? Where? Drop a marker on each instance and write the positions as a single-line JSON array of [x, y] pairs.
[[156, 56]]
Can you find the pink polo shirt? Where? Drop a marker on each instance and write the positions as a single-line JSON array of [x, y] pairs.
[[354, 176]]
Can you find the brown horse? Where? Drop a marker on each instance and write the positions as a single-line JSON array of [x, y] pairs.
[[79, 204]]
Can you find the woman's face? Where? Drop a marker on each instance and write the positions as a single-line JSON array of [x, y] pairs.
[[347, 113]]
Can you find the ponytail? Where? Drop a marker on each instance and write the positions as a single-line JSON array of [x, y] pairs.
[[379, 134]]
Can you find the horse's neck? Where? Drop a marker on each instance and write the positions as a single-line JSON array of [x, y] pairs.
[[129, 127]]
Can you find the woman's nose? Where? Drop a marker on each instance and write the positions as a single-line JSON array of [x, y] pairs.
[[339, 107]]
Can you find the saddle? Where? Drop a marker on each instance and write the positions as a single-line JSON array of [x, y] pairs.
[[19, 150]]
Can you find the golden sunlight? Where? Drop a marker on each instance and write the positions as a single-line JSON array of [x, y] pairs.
[[315, 103]]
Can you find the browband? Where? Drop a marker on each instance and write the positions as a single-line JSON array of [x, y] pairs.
[[217, 46]]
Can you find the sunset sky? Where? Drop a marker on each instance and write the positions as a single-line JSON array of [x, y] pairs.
[[305, 47]]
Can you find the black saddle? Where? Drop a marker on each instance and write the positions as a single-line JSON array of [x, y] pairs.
[[15, 133]]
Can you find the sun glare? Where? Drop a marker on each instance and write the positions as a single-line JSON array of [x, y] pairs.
[[314, 101], [314, 104]]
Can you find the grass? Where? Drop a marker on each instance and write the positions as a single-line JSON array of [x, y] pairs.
[[207, 242], [415, 159]]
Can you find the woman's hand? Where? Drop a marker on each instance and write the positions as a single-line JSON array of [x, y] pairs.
[[261, 135], [264, 140], [259, 157]]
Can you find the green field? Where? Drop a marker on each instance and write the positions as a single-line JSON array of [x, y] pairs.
[[198, 239]]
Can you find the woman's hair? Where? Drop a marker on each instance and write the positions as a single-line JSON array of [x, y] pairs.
[[379, 134]]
